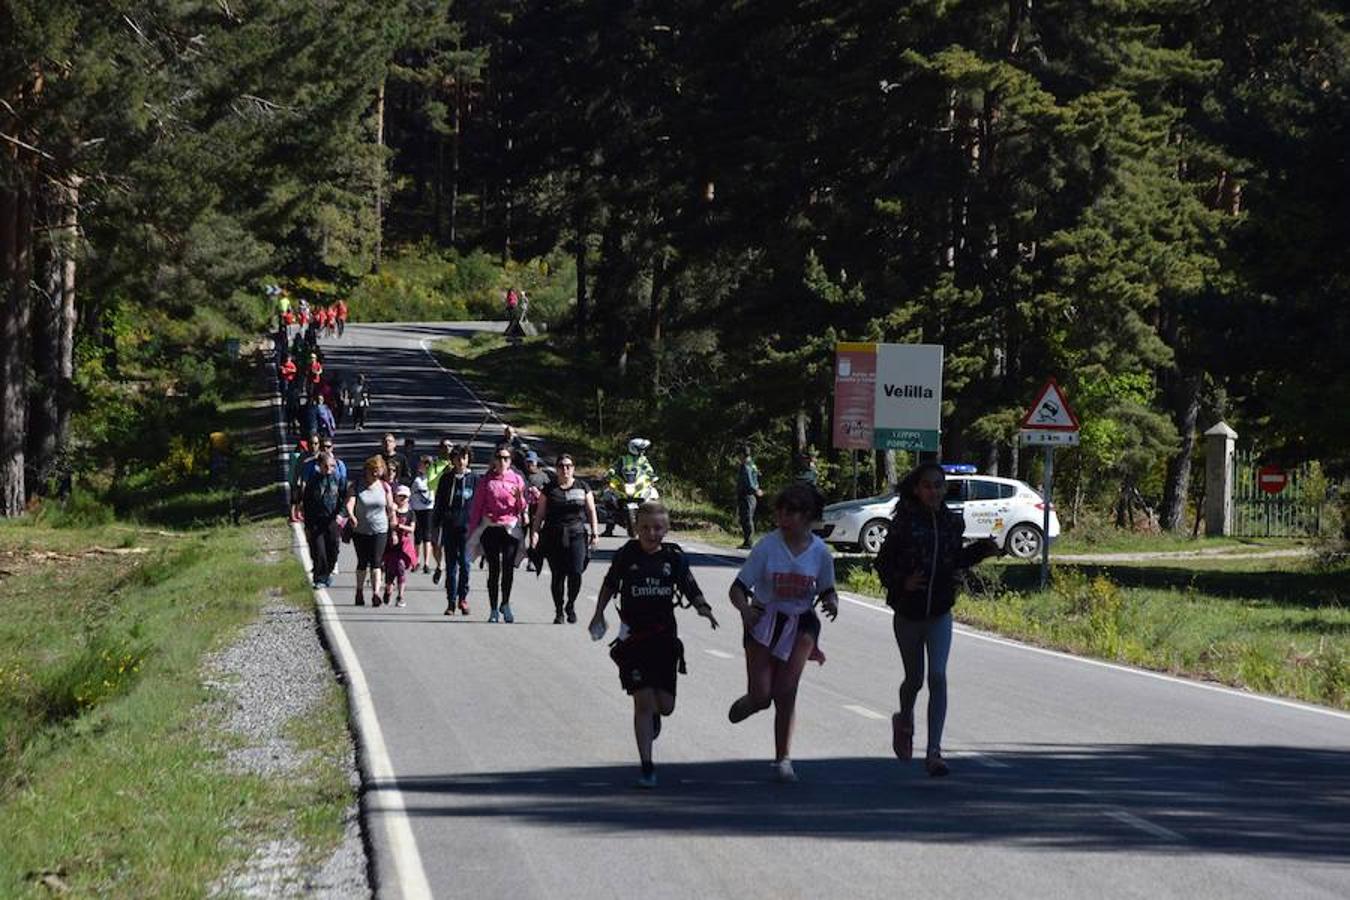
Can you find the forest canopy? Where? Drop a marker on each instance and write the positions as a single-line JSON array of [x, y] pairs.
[[1144, 198]]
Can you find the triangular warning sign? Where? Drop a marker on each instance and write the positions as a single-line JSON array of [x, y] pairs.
[[1051, 411]]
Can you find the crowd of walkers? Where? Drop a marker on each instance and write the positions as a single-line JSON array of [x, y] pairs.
[[433, 515]]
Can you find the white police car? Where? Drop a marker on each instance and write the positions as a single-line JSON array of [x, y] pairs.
[[1005, 509]]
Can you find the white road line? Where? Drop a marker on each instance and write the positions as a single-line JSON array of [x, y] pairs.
[[983, 760], [863, 711], [1232, 692], [409, 878], [718, 653], [1144, 825], [460, 381]]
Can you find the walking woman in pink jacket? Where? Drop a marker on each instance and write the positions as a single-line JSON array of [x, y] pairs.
[[499, 506]]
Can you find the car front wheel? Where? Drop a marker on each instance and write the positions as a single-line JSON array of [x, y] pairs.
[[873, 535], [1024, 541]]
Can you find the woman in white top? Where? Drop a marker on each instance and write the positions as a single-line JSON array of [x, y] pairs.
[[786, 573]]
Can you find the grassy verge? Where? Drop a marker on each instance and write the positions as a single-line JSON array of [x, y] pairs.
[[112, 779], [1116, 540], [1274, 626]]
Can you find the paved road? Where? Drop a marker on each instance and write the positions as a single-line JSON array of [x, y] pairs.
[[511, 750]]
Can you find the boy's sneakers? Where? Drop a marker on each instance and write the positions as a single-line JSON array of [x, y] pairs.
[[782, 770], [506, 614]]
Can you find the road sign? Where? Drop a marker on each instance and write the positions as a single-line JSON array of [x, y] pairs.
[[908, 392], [1272, 479], [1051, 411], [855, 378], [1049, 438], [887, 396]]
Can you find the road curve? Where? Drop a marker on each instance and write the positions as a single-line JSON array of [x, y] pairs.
[[511, 751]]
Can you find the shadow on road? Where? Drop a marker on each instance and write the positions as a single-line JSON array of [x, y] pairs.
[[1252, 800]]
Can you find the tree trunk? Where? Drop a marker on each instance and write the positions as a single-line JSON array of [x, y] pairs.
[[16, 229], [799, 438], [379, 179], [46, 351], [1186, 411], [579, 226], [454, 165], [654, 320], [438, 197]]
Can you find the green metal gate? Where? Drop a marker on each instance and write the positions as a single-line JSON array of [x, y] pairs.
[[1295, 511]]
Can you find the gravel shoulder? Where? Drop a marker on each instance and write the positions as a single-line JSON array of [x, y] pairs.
[[274, 676]]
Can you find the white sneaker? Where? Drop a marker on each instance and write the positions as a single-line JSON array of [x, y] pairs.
[[783, 771], [400, 604]]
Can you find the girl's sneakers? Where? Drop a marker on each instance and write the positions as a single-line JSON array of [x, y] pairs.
[[506, 614], [493, 616], [782, 770]]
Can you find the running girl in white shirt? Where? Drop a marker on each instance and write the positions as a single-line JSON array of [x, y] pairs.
[[786, 573]]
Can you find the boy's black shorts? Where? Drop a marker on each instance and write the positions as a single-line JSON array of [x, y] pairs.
[[654, 661]]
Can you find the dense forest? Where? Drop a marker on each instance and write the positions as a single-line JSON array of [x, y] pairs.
[[1144, 198]]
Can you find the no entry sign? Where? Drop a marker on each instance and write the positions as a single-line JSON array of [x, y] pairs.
[[1271, 479]]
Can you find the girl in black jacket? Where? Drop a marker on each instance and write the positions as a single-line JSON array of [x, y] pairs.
[[918, 565]]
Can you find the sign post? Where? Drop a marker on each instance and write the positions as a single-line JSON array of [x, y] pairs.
[[1051, 423]]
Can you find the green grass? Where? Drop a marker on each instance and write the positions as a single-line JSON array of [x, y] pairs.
[[111, 774], [1278, 626], [1115, 540]]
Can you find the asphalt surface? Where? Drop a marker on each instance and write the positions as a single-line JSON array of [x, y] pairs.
[[513, 753]]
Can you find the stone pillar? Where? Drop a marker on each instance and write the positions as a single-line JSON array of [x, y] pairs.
[[1219, 443]]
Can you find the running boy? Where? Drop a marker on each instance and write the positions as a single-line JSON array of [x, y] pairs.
[[649, 577]]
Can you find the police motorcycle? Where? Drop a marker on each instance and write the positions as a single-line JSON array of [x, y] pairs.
[[632, 482]]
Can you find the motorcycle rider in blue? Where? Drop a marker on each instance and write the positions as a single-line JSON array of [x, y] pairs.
[[450, 519], [635, 460]]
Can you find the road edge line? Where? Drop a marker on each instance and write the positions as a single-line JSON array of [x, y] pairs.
[[1132, 670], [422, 342], [410, 878]]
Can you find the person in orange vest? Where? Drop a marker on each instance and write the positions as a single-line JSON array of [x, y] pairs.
[[315, 375], [341, 311], [288, 370]]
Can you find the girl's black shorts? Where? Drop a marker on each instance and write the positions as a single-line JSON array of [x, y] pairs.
[[807, 623]]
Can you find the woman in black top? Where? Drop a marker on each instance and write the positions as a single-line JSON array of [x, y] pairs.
[[563, 528]]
